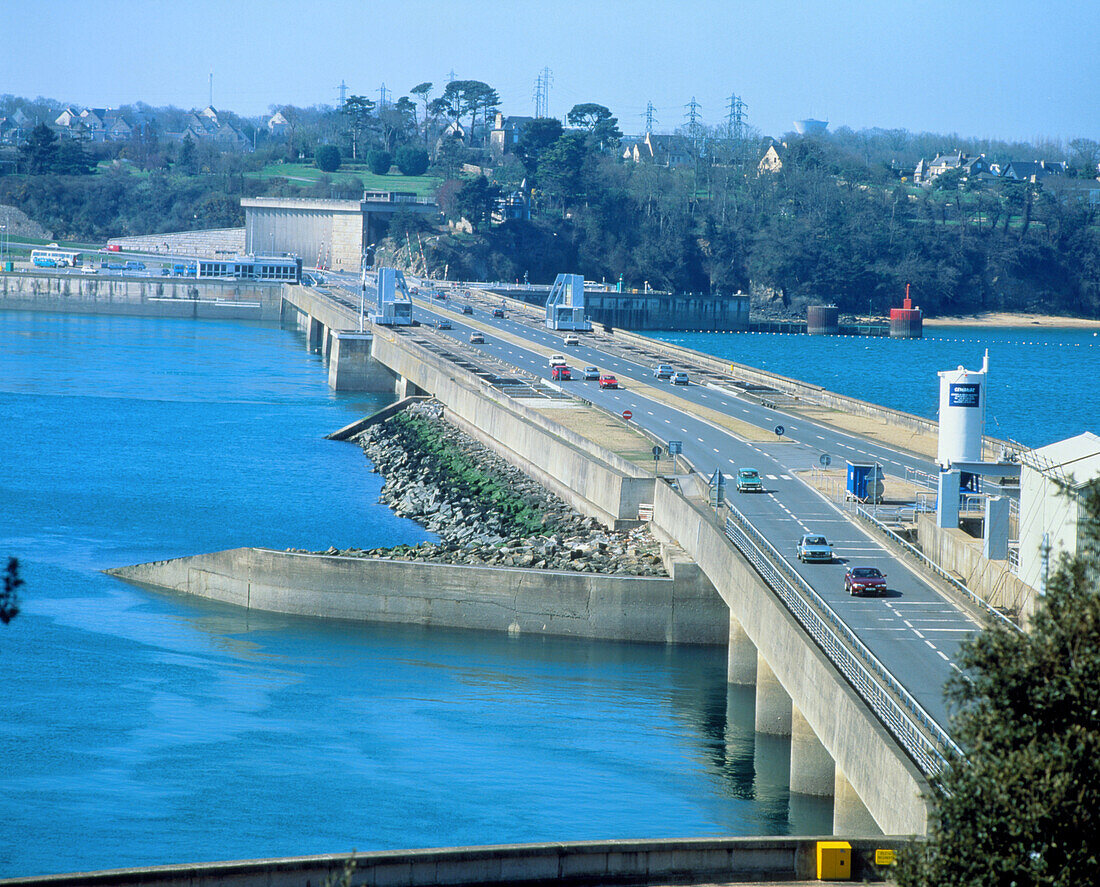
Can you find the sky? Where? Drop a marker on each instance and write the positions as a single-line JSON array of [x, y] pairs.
[[1009, 69]]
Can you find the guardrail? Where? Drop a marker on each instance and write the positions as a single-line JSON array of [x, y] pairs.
[[923, 560], [918, 734]]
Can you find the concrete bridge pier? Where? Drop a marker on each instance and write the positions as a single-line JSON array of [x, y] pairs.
[[406, 388], [315, 335], [773, 703], [812, 769], [740, 656], [850, 814], [351, 367]]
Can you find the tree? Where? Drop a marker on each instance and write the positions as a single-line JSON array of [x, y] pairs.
[[559, 168], [537, 136], [327, 158], [356, 112], [412, 161], [596, 120], [9, 597], [475, 202], [423, 91], [71, 159], [379, 162], [470, 97], [187, 155], [1023, 806], [38, 153]]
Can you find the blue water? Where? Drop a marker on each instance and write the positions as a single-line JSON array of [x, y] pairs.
[[1040, 386], [139, 727]]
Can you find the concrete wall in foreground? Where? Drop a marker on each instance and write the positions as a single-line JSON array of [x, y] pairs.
[[104, 293], [884, 778], [705, 860], [583, 605]]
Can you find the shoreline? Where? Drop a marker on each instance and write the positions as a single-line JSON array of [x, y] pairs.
[[1008, 319]]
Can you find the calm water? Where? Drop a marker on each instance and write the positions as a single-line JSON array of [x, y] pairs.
[[139, 727], [1041, 385]]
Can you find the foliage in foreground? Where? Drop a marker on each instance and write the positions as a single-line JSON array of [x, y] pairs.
[[1023, 808]]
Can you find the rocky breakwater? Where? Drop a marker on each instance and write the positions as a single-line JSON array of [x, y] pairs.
[[485, 511]]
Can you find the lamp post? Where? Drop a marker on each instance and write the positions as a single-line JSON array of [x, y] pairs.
[[363, 284]]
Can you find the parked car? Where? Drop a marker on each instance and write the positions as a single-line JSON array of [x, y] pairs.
[[558, 360], [477, 339], [815, 549], [572, 340], [748, 481], [498, 312], [609, 381], [664, 371], [442, 324], [591, 373], [467, 309], [561, 373], [859, 581], [680, 378]]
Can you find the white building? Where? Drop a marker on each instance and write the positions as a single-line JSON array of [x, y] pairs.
[[1051, 482]]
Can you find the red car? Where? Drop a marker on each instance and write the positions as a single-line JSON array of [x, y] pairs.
[[561, 374], [864, 580], [609, 382]]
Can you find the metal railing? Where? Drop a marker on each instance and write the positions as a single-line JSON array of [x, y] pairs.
[[915, 730], [927, 563], [921, 478]]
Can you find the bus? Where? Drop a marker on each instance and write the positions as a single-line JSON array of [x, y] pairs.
[[278, 268], [53, 257]]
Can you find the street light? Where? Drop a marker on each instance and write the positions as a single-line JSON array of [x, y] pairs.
[[363, 285]]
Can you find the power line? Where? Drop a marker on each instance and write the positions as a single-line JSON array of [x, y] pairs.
[[382, 93], [542, 92], [650, 117], [735, 122], [343, 87]]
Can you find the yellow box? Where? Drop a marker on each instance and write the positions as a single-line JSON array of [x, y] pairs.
[[885, 857], [834, 861]]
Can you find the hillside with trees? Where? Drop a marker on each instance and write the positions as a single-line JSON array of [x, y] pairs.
[[840, 220]]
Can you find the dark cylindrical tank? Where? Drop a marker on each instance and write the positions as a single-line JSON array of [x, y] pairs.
[[823, 320], [906, 323]]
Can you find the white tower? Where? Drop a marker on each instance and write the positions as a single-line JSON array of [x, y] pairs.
[[962, 414]]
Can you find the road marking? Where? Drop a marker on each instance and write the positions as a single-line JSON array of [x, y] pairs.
[[943, 656], [930, 644]]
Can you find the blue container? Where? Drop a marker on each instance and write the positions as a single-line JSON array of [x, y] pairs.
[[864, 482]]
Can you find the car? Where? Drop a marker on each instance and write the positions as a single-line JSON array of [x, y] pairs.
[[477, 339], [609, 381], [679, 378], [498, 312], [572, 340], [859, 581], [439, 296], [442, 324], [664, 371], [414, 291], [561, 373], [558, 360], [591, 374], [89, 269], [815, 549], [748, 481], [467, 309]]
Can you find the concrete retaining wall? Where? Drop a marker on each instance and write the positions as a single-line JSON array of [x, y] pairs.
[[592, 479], [889, 784], [104, 293], [961, 554], [714, 860], [212, 243], [584, 605]]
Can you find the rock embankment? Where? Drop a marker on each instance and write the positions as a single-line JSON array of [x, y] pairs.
[[485, 511]]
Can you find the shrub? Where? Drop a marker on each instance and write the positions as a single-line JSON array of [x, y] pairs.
[[379, 162], [327, 158], [412, 161]]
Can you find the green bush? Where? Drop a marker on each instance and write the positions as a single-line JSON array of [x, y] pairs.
[[412, 161], [379, 162], [327, 158]]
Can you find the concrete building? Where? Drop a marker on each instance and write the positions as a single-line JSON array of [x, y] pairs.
[[1052, 481], [325, 233]]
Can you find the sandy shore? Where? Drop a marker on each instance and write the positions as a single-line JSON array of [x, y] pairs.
[[1010, 319]]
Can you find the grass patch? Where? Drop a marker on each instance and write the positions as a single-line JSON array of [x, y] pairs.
[[424, 186]]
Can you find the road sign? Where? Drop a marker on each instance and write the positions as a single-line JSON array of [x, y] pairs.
[[675, 447], [627, 414], [657, 452], [717, 488], [825, 460], [779, 430]]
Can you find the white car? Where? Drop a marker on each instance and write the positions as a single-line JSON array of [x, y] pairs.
[[572, 340], [557, 360], [814, 548]]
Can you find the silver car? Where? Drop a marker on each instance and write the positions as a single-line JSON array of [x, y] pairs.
[[815, 549]]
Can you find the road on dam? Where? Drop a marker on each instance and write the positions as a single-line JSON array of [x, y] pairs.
[[915, 630]]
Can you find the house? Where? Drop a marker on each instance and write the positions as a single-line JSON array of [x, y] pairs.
[[506, 133], [772, 161], [1033, 170], [927, 173], [205, 126], [278, 125], [1053, 480], [453, 130], [672, 151]]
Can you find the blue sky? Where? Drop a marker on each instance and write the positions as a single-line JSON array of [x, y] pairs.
[[1001, 69]]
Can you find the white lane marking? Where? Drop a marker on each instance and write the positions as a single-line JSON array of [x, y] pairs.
[[930, 644], [918, 634], [943, 656]]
